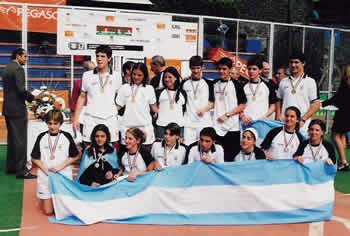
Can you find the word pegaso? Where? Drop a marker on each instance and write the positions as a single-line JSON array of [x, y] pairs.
[[47, 13]]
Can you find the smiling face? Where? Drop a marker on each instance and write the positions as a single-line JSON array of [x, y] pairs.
[[315, 133], [224, 72], [100, 138], [265, 70], [137, 76], [196, 71], [296, 67], [53, 126], [253, 72], [205, 143], [131, 142], [169, 80], [290, 119], [102, 61], [247, 141]]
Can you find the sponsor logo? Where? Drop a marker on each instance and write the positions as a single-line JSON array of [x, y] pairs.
[[192, 31], [175, 36], [68, 33], [113, 30], [190, 38], [160, 26], [46, 13], [76, 46], [110, 18]]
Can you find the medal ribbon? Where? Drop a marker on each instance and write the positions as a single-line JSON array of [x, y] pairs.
[[133, 165], [286, 144], [171, 99], [314, 155], [297, 84], [134, 92], [256, 90], [102, 85], [53, 148], [195, 90], [98, 157], [222, 91], [201, 154], [249, 157], [166, 154]]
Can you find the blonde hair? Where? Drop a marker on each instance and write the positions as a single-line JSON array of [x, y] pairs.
[[138, 134], [54, 115]]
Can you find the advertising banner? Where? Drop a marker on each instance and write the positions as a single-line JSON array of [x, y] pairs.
[[136, 35]]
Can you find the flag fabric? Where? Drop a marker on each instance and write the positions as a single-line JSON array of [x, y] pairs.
[[235, 193]]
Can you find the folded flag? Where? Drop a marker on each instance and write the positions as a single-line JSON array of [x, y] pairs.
[[241, 193]]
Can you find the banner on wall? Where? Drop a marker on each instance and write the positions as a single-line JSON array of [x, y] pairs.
[[217, 53], [40, 19], [141, 35]]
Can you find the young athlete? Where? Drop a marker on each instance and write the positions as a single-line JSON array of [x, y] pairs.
[[230, 101], [55, 151], [298, 90], [249, 150], [206, 149], [282, 142], [315, 148], [169, 152], [99, 164], [136, 160], [138, 98], [100, 86], [261, 97], [171, 101], [200, 100]]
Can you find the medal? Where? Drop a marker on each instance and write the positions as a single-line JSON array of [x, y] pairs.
[[175, 158], [287, 143], [294, 88], [221, 98], [171, 99], [133, 100], [293, 91], [195, 97], [133, 93], [102, 90], [97, 165], [133, 164], [254, 93], [102, 85], [314, 155], [98, 157], [171, 106], [195, 90], [52, 148], [285, 149], [222, 91]]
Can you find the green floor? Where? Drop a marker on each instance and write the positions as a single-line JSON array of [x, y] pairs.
[[11, 194]]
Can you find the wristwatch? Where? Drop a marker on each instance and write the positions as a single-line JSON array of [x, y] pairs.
[[227, 115]]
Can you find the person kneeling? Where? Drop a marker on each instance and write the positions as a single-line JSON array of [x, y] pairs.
[[249, 150], [137, 160], [315, 148], [99, 163], [54, 150], [206, 149]]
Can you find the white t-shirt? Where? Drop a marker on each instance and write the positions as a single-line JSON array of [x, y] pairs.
[[101, 100], [259, 98], [228, 95], [175, 156], [216, 153], [137, 109], [319, 152], [170, 113], [199, 95], [281, 144], [143, 159]]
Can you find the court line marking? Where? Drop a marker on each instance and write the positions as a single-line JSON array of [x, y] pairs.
[[346, 222], [316, 228], [18, 229]]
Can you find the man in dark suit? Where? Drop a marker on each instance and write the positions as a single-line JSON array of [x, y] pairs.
[[157, 67], [15, 112]]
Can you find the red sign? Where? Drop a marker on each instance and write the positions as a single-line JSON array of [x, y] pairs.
[[216, 54]]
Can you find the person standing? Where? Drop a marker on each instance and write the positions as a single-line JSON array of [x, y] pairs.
[[298, 90], [14, 110], [157, 67]]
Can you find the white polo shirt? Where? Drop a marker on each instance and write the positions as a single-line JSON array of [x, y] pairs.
[[228, 95], [101, 101], [199, 95], [170, 113], [260, 96], [281, 144], [175, 156], [137, 111], [216, 153], [143, 159], [319, 152], [305, 93]]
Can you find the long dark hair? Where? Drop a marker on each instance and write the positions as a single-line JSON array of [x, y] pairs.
[[298, 114], [318, 122], [108, 148], [143, 68], [172, 70]]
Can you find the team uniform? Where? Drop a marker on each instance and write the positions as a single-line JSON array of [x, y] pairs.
[[171, 105], [300, 93], [100, 108], [52, 150], [281, 143], [312, 153], [256, 154], [94, 168], [136, 161], [194, 153], [199, 94], [260, 95], [157, 81], [137, 100], [173, 157], [228, 95]]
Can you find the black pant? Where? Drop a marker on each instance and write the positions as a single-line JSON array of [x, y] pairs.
[[16, 145], [231, 144]]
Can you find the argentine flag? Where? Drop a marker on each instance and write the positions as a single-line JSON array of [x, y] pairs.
[[241, 193]]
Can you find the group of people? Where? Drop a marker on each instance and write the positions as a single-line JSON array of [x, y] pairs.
[[131, 124]]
